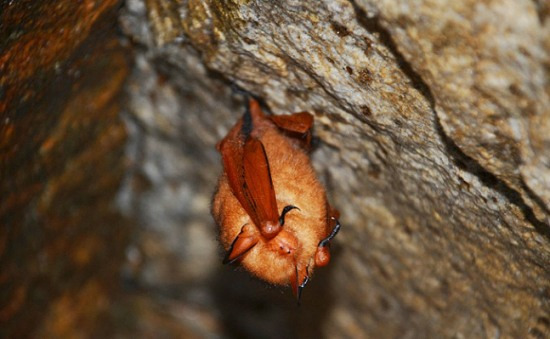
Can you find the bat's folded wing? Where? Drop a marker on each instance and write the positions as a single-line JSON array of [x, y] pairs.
[[258, 188]]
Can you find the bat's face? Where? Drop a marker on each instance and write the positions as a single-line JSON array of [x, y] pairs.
[[293, 249]]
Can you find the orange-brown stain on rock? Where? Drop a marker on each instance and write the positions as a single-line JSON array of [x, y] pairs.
[[364, 77], [339, 29], [16, 300], [62, 142], [63, 322], [50, 33]]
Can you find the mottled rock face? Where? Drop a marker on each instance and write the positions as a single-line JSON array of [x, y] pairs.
[[433, 122], [486, 66], [62, 146]]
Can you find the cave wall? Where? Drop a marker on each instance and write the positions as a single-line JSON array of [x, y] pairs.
[[62, 145], [427, 117], [431, 122]]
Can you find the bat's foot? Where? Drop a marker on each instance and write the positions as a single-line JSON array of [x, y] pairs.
[[322, 256]]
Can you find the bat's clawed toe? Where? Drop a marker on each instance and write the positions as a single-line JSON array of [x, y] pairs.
[[298, 281], [287, 209], [332, 234]]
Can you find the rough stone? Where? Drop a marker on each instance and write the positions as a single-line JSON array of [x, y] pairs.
[[62, 144], [432, 123]]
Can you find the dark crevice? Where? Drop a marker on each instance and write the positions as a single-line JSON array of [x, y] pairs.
[[537, 199], [543, 10], [459, 158], [465, 162]]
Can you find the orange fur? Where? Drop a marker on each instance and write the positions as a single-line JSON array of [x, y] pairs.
[[291, 253]]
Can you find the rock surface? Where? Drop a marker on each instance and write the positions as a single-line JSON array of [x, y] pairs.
[[432, 122], [62, 145]]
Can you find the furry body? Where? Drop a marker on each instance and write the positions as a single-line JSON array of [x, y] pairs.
[[291, 252]]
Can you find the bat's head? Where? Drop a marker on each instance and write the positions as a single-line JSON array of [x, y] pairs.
[[291, 256]]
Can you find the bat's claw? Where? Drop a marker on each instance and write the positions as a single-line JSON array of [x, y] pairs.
[[298, 281]]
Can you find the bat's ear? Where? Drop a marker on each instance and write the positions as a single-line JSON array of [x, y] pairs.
[[298, 281], [242, 244], [297, 123], [297, 126]]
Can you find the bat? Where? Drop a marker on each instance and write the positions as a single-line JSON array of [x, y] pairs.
[[272, 211]]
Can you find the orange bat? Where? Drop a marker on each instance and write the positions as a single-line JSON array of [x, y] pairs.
[[272, 211]]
